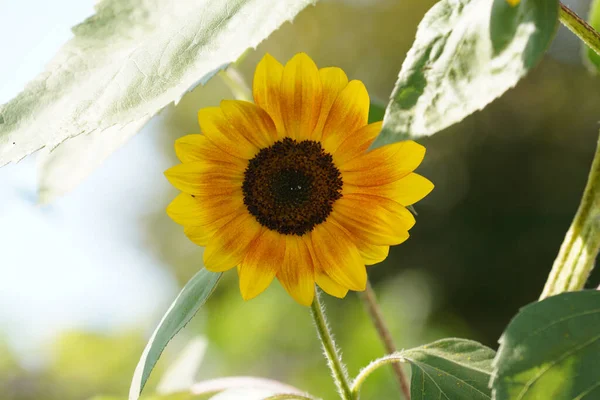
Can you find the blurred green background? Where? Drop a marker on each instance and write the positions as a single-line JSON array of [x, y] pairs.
[[508, 181]]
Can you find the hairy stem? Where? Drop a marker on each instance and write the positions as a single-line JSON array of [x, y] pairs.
[[578, 252], [370, 303], [393, 359], [580, 28], [334, 358]]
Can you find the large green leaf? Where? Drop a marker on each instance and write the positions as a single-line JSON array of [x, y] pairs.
[[591, 57], [466, 54], [551, 350], [450, 369], [129, 60], [185, 306]]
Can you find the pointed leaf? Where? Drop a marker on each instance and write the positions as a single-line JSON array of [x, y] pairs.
[[466, 54], [450, 369], [129, 60], [551, 350], [188, 302]]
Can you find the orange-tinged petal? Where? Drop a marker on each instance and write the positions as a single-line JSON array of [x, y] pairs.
[[227, 248], [301, 94], [406, 191], [372, 254], [206, 178], [261, 263], [356, 143], [374, 220], [333, 80], [190, 211], [201, 234], [330, 286], [215, 126], [250, 121], [197, 147], [266, 88], [335, 253], [296, 273], [349, 112], [383, 165]]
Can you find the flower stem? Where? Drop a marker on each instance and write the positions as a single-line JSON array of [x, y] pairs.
[[580, 28], [334, 359], [580, 247], [370, 303]]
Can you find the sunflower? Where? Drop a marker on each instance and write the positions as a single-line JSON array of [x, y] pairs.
[[286, 187]]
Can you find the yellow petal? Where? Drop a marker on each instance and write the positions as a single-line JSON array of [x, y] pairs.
[[219, 130], [301, 93], [263, 258], [406, 191], [190, 211], [227, 248], [250, 121], [372, 254], [202, 234], [383, 165], [356, 143], [296, 273], [371, 219], [335, 253], [202, 178], [349, 112], [266, 87], [197, 147], [333, 80], [330, 286]]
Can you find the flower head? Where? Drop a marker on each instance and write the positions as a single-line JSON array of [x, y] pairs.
[[286, 187]]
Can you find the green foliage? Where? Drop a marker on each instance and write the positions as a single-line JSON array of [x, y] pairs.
[[462, 59], [188, 302], [127, 62], [376, 112], [533, 22], [450, 369], [113, 360], [590, 56], [551, 350]]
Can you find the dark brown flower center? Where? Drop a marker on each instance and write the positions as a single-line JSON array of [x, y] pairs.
[[290, 187]]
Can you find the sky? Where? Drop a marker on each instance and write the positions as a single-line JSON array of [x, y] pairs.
[[79, 262]]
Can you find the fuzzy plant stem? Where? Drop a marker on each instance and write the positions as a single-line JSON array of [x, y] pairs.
[[579, 27], [580, 247], [370, 302], [334, 358]]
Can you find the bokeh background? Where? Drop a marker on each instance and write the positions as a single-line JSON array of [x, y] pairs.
[[85, 279]]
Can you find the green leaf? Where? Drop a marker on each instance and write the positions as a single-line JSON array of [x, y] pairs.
[[62, 169], [128, 61], [376, 112], [591, 58], [551, 350], [466, 54], [450, 369], [185, 306]]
